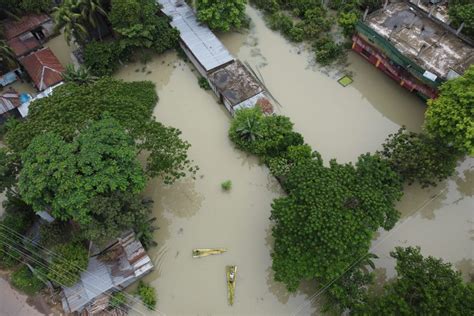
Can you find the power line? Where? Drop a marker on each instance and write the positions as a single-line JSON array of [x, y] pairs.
[[50, 252], [24, 238]]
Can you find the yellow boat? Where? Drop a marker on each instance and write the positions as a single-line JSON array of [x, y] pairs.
[[231, 272], [204, 252]]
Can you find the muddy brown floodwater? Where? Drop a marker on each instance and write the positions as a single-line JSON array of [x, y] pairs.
[[339, 122]]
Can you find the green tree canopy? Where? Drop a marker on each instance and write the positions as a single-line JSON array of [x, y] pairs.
[[222, 15], [139, 25], [419, 157], [71, 107], [450, 117], [64, 177], [330, 215], [423, 286]]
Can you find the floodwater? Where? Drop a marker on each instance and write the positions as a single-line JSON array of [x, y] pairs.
[[339, 122]]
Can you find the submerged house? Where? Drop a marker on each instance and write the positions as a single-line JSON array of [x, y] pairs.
[[120, 265], [44, 68], [28, 33], [231, 81], [9, 103], [413, 47]]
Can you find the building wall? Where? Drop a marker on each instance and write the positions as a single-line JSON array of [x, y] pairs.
[[193, 59]]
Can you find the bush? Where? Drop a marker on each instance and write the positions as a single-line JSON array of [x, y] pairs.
[[269, 6], [222, 15], [147, 294], [70, 260], [348, 21], [264, 136], [327, 51], [35, 6], [24, 280], [226, 185], [316, 22], [279, 21], [118, 299], [204, 84], [102, 58]]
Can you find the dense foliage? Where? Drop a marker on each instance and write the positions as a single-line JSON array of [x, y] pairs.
[[35, 5], [147, 294], [81, 75], [139, 25], [73, 106], [423, 286], [70, 260], [450, 117], [16, 221], [330, 213], [462, 11], [24, 280], [14, 8], [67, 178], [330, 216], [117, 300], [264, 136], [222, 15], [419, 157], [103, 58]]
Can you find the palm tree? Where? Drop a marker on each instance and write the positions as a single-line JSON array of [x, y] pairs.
[[249, 129], [80, 76], [78, 17], [7, 57]]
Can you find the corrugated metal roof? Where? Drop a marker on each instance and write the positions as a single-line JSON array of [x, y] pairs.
[[9, 100], [129, 263], [204, 45]]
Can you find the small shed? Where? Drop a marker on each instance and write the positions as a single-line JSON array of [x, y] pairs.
[[44, 68], [235, 86], [121, 264], [28, 33], [9, 101]]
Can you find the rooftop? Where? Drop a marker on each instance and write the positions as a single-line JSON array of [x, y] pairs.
[[22, 45], [44, 68], [235, 83], [123, 263], [427, 43], [9, 100], [13, 28], [199, 39]]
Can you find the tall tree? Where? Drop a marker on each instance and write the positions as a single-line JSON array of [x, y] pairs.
[[78, 18], [222, 15], [7, 57], [139, 25], [419, 157], [73, 106], [330, 216], [64, 177], [423, 286], [450, 117]]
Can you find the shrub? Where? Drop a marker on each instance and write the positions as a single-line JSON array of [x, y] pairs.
[[316, 22], [222, 15], [117, 300], [279, 21], [81, 75], [269, 6], [204, 84], [327, 51], [70, 261], [24, 280], [147, 294], [348, 21], [103, 58], [36, 6], [226, 185]]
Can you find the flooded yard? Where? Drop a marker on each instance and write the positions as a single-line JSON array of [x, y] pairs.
[[339, 122]]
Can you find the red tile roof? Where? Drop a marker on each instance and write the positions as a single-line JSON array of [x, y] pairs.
[[23, 47], [13, 28], [44, 68]]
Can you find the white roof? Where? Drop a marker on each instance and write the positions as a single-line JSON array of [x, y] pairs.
[[204, 45]]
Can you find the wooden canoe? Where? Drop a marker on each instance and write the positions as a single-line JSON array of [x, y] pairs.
[[231, 273], [204, 252]]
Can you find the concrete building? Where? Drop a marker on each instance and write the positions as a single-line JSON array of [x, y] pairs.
[[413, 47]]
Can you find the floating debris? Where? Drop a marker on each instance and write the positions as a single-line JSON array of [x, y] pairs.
[[345, 81], [204, 252]]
